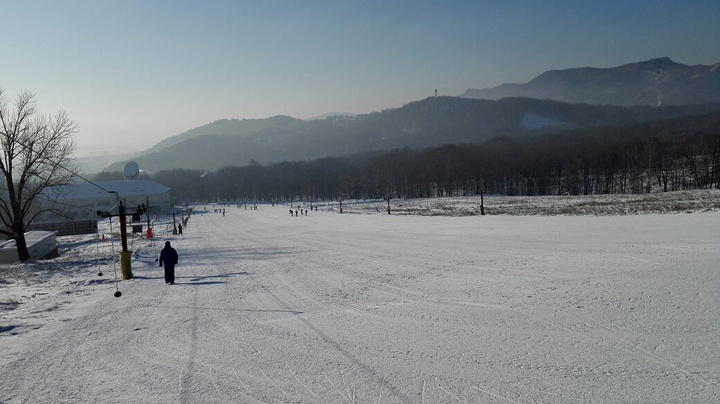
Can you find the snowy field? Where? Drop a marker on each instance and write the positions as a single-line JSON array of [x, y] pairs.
[[662, 202], [603, 307]]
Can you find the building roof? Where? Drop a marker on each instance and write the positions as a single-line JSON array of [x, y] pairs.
[[126, 189]]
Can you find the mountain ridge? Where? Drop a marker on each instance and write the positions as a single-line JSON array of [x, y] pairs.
[[228, 126], [425, 123], [658, 81]]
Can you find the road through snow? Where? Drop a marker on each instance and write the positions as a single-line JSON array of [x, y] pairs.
[[331, 308]]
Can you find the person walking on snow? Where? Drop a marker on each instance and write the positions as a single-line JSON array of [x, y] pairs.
[[169, 257]]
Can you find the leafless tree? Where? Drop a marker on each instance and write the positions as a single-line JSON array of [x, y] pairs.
[[35, 153]]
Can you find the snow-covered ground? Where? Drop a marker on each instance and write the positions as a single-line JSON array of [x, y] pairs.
[[377, 308], [661, 202]]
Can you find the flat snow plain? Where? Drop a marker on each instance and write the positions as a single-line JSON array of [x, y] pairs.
[[375, 308]]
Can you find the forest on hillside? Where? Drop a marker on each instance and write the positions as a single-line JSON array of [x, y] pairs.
[[431, 122], [671, 155]]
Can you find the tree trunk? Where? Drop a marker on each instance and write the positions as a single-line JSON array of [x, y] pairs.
[[23, 254]]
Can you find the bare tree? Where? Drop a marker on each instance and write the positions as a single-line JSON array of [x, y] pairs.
[[35, 153]]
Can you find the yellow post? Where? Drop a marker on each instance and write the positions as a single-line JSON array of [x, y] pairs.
[[125, 267]]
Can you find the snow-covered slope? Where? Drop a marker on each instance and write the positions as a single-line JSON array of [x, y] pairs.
[[375, 308]]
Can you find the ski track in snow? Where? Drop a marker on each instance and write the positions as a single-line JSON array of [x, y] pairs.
[[381, 309]]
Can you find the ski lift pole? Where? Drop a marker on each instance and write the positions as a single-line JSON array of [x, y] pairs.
[[149, 233], [125, 263], [125, 255], [123, 227], [112, 239]]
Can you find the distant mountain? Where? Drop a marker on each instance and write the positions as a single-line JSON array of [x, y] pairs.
[[96, 163], [329, 115], [426, 123], [653, 82], [237, 127]]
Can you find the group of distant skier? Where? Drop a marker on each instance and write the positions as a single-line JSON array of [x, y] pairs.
[[301, 211], [179, 229], [169, 256]]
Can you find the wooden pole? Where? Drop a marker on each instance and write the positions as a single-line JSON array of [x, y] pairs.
[[482, 204]]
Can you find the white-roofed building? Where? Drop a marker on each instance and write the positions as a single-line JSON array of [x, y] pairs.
[[83, 200]]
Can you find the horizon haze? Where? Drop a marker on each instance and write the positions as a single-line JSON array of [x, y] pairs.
[[134, 73]]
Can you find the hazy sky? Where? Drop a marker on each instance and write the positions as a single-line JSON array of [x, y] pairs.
[[132, 73]]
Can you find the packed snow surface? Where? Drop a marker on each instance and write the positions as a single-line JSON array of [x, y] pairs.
[[374, 308]]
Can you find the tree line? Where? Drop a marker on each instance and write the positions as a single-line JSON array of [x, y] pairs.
[[420, 124], [671, 155]]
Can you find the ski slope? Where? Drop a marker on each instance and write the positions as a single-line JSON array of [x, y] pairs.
[[331, 308]]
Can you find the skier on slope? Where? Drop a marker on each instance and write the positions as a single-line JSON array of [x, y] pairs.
[[169, 257]]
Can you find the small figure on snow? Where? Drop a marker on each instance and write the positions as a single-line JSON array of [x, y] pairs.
[[169, 257], [180, 229]]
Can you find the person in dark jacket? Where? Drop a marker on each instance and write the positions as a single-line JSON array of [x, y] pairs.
[[169, 257]]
